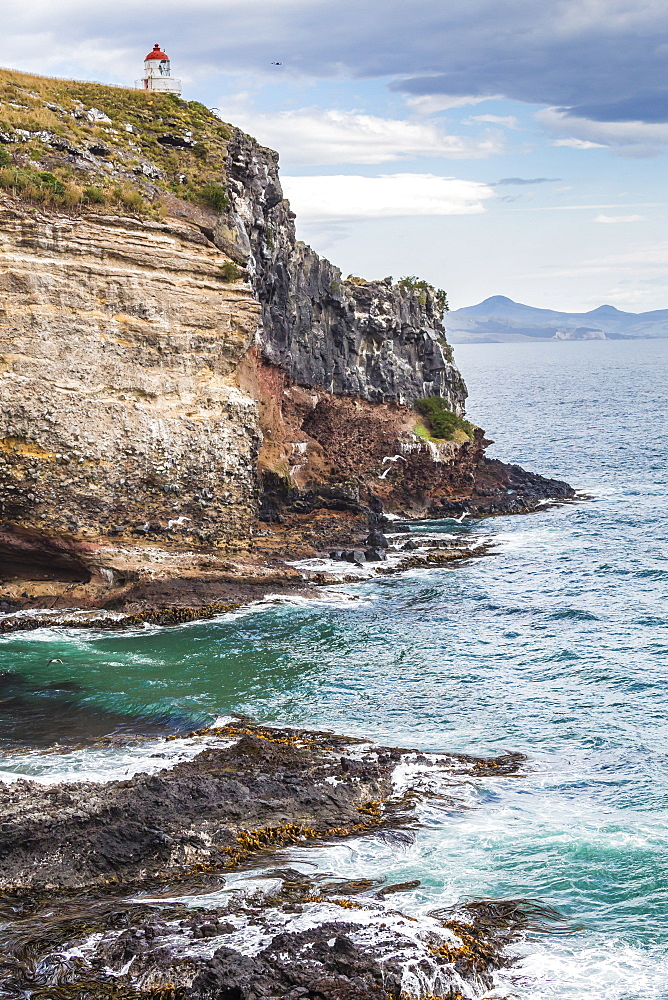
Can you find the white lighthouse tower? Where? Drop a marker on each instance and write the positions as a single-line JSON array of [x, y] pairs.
[[157, 73]]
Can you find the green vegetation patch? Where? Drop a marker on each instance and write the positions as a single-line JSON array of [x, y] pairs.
[[63, 190], [215, 196], [412, 284], [443, 423], [230, 272], [144, 141]]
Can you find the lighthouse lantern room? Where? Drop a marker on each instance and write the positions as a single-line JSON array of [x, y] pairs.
[[157, 73]]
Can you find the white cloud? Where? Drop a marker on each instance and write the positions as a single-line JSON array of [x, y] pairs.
[[317, 136], [637, 139], [618, 218], [578, 144], [507, 121], [431, 104], [344, 197], [644, 263]]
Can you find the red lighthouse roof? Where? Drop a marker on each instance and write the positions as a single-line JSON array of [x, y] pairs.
[[157, 53]]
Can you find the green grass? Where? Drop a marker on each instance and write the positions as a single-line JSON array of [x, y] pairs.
[[61, 189], [48, 108], [443, 423]]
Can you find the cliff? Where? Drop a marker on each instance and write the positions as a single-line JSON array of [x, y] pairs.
[[174, 363]]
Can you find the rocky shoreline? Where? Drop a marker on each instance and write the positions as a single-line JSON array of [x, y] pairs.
[[169, 884], [298, 536]]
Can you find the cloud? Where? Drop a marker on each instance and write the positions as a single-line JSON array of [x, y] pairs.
[[618, 218], [601, 59], [637, 139], [646, 262], [317, 136], [650, 107], [345, 197], [430, 104], [525, 180], [578, 144], [507, 121]]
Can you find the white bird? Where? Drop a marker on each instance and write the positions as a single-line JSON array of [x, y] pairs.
[[178, 521], [390, 458], [458, 520]]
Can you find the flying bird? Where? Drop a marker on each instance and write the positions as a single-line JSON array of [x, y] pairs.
[[277, 64], [390, 458], [177, 520], [458, 520]]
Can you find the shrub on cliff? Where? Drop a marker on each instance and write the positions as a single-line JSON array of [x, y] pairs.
[[443, 423], [215, 196], [229, 271], [94, 195], [411, 283]]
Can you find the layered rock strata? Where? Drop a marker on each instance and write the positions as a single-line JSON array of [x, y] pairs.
[[120, 343]]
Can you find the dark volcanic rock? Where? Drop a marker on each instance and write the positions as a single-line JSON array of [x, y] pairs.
[[371, 339], [505, 489], [319, 963], [356, 556], [73, 857], [377, 540], [269, 788]]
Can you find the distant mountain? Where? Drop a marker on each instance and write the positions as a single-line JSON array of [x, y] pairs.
[[499, 319]]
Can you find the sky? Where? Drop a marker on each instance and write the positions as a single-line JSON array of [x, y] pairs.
[[493, 147]]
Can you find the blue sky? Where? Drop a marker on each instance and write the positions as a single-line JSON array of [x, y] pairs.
[[510, 147]]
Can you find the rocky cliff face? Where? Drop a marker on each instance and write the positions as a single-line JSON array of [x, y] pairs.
[[339, 362], [167, 347], [120, 344], [373, 340]]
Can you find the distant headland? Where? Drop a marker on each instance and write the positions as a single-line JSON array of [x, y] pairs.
[[499, 320]]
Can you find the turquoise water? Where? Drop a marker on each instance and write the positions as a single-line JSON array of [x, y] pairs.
[[555, 645]]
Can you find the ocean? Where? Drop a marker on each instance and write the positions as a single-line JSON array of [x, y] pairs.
[[555, 645]]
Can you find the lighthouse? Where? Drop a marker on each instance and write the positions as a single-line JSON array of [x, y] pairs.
[[157, 73]]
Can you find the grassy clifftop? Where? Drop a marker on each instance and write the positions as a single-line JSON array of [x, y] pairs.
[[73, 144]]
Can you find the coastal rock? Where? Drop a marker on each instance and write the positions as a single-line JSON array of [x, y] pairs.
[[254, 788], [77, 859]]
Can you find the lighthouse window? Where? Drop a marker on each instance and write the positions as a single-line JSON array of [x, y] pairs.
[[164, 67]]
